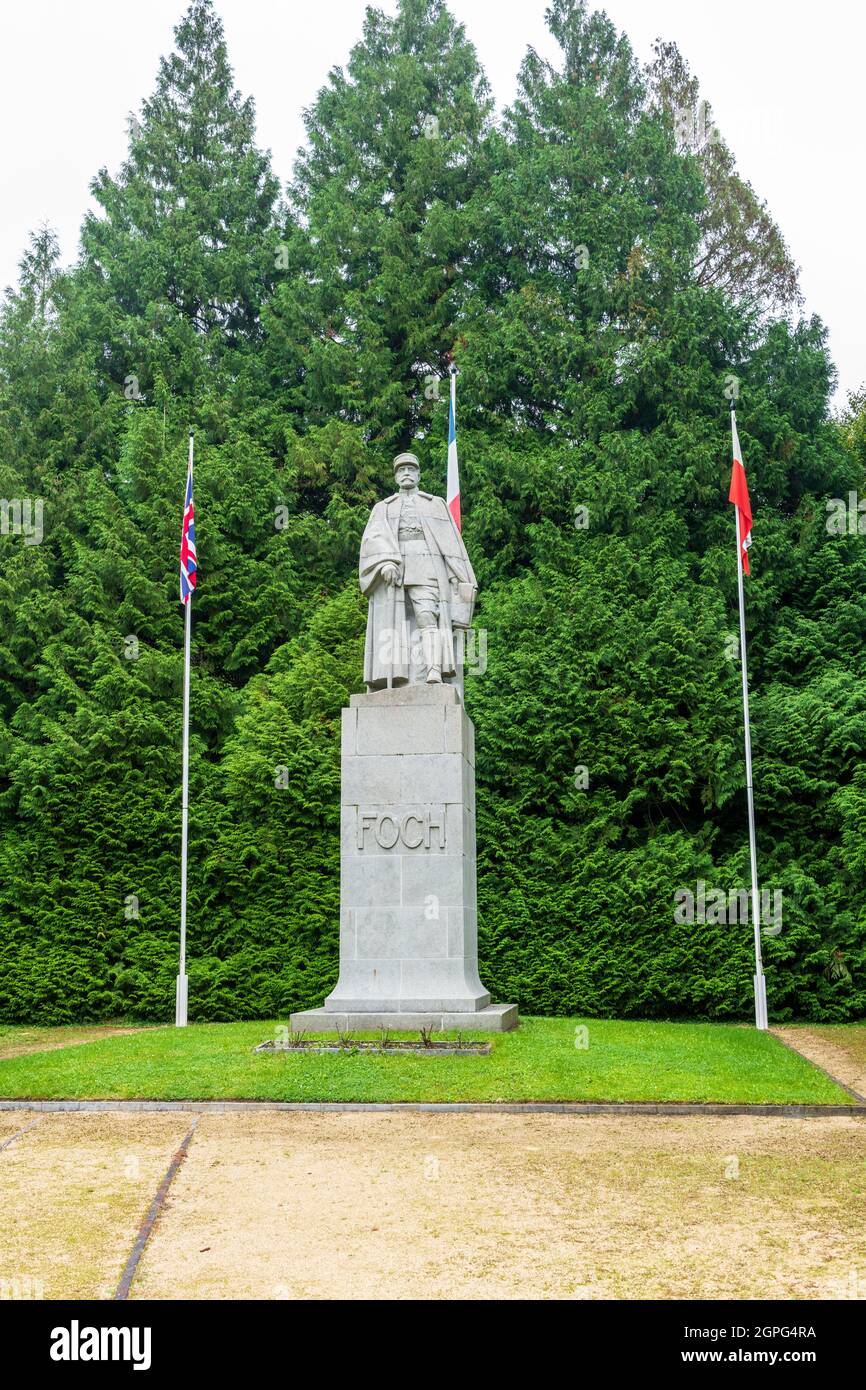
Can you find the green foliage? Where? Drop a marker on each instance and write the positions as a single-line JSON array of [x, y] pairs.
[[181, 254], [555, 256], [365, 316]]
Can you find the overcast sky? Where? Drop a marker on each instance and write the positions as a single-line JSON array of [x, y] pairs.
[[785, 81]]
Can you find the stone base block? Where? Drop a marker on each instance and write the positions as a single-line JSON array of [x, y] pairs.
[[496, 1018]]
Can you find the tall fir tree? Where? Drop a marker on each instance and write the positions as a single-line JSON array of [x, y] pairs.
[[181, 253], [396, 152]]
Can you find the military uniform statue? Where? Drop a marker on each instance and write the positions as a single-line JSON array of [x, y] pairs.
[[416, 573], [408, 890]]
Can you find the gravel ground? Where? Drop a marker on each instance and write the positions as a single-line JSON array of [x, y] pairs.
[[390, 1206]]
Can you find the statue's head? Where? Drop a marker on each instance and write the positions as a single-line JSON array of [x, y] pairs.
[[407, 471]]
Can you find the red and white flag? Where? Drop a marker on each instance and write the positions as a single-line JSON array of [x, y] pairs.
[[739, 495], [453, 488], [188, 559]]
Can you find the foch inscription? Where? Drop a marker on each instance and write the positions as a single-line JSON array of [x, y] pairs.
[[412, 830]]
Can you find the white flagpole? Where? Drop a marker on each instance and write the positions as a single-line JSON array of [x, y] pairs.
[[182, 986], [452, 487], [759, 978], [452, 372], [460, 633]]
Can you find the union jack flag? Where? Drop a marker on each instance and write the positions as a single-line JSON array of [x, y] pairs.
[[188, 563]]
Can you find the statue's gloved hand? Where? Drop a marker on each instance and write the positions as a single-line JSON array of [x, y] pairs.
[[389, 574]]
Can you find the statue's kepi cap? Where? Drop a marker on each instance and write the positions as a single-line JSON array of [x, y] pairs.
[[406, 458]]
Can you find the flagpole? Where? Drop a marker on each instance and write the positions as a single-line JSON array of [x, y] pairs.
[[452, 372], [760, 982], [452, 487], [460, 633], [182, 984]]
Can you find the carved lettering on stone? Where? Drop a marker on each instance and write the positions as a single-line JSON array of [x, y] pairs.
[[411, 830]]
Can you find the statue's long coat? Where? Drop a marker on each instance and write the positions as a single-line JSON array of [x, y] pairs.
[[387, 650]]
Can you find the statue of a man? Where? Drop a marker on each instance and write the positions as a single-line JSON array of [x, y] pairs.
[[415, 572]]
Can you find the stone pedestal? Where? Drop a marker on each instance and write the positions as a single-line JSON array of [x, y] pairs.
[[408, 904]]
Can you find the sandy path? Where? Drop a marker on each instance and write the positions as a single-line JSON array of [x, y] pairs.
[[844, 1065], [277, 1205], [11, 1121], [73, 1192], [469, 1206]]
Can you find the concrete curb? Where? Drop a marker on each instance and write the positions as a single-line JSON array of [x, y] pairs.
[[223, 1107]]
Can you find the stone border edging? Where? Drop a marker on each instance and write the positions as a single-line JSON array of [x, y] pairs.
[[147, 1225], [625, 1107], [19, 1132]]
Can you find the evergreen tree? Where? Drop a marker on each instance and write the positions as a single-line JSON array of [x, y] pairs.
[[38, 269], [182, 252], [373, 286]]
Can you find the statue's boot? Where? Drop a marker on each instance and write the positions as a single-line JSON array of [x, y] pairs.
[[432, 650]]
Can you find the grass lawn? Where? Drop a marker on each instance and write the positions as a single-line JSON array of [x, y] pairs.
[[623, 1061]]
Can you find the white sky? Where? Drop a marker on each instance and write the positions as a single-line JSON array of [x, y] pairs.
[[785, 80]]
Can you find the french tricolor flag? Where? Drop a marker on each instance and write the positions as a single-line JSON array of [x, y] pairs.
[[453, 489]]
